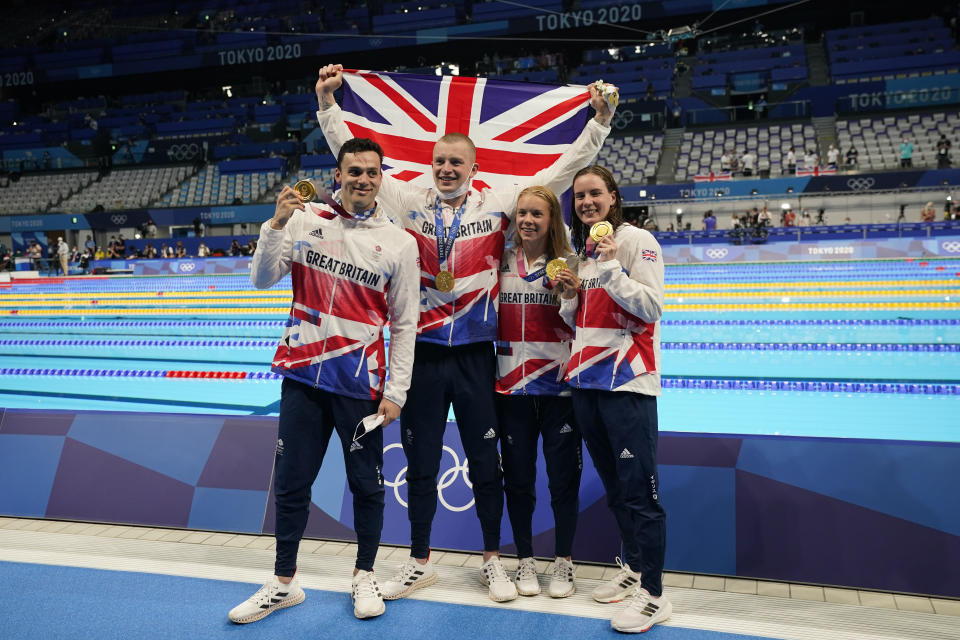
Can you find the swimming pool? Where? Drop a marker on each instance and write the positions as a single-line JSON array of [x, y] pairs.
[[852, 349]]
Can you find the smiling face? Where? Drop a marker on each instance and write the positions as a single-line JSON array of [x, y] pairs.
[[592, 199], [359, 176], [533, 219], [454, 162]]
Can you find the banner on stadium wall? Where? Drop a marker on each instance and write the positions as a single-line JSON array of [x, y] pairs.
[[250, 214], [901, 93], [763, 496], [840, 183], [937, 247]]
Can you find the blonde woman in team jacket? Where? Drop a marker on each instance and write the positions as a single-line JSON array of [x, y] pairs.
[[532, 400], [614, 371]]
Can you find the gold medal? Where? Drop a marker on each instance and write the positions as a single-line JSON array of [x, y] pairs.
[[444, 281], [600, 229], [306, 189], [554, 267], [609, 93]]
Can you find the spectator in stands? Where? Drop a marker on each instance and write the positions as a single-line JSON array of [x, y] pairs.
[[203, 251], [906, 153], [180, 251], [833, 154], [789, 218], [650, 225], [121, 246], [709, 221], [151, 228], [150, 251], [761, 107], [251, 247], [805, 220], [852, 154], [90, 244], [748, 161], [790, 161], [235, 249], [35, 253], [166, 251], [810, 161], [928, 213], [764, 218], [670, 228], [198, 227], [650, 95], [112, 248], [725, 160], [943, 152], [99, 254]]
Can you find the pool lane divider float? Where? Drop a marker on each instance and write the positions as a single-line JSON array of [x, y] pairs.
[[716, 384], [695, 346]]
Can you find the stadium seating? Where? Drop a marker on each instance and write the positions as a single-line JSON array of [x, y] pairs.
[[700, 150], [37, 193], [125, 189], [878, 139], [632, 159]]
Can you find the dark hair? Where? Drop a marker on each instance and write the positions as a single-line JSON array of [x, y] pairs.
[[579, 231], [358, 145]]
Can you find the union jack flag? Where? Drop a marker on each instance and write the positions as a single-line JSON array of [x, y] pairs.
[[518, 128], [649, 254], [712, 177], [817, 171]]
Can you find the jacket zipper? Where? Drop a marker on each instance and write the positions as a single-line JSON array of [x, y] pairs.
[[523, 333], [584, 317]]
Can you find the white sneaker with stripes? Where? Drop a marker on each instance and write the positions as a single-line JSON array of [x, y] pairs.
[[411, 576], [619, 586], [642, 612], [367, 599], [562, 584], [526, 579], [270, 597], [495, 577]]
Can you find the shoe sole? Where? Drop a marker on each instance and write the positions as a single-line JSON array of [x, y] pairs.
[[419, 584], [370, 615], [565, 594], [495, 598], [528, 593], [646, 628], [260, 615], [619, 597]]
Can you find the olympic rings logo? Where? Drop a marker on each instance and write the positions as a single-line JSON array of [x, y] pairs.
[[186, 151], [716, 254], [447, 478], [187, 267], [953, 246], [621, 119], [118, 219], [860, 184]]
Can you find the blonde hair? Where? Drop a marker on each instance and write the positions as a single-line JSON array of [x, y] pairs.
[[557, 243], [452, 138]]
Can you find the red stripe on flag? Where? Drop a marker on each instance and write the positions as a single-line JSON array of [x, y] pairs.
[[490, 160], [407, 175], [460, 104], [549, 115], [396, 98]]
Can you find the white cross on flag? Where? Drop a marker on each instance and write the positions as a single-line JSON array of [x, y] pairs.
[[518, 128]]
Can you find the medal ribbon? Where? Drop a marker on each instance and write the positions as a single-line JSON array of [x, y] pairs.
[[328, 200], [541, 272], [445, 237]]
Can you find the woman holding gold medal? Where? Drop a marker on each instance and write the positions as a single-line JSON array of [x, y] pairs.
[[614, 370], [533, 347]]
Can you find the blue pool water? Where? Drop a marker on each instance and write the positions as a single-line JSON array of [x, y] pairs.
[[82, 345]]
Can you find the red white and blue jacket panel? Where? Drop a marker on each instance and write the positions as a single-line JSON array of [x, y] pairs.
[[468, 313], [617, 311], [350, 278], [533, 341]]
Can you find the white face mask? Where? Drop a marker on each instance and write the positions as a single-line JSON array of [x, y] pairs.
[[462, 189]]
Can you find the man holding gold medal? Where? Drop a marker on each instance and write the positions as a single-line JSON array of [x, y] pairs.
[[352, 271], [461, 234]]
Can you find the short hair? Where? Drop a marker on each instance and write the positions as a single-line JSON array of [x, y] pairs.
[[455, 137], [558, 246], [358, 145], [578, 230]]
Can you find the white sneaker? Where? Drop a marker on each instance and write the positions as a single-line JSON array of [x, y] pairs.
[[619, 586], [642, 612], [526, 579], [561, 584], [367, 599], [495, 577], [270, 597], [411, 576]]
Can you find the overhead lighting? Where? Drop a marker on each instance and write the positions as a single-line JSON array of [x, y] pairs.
[[785, 206]]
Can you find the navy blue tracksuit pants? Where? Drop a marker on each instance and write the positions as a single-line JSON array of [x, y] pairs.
[[620, 431], [464, 376], [308, 418], [523, 420]]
